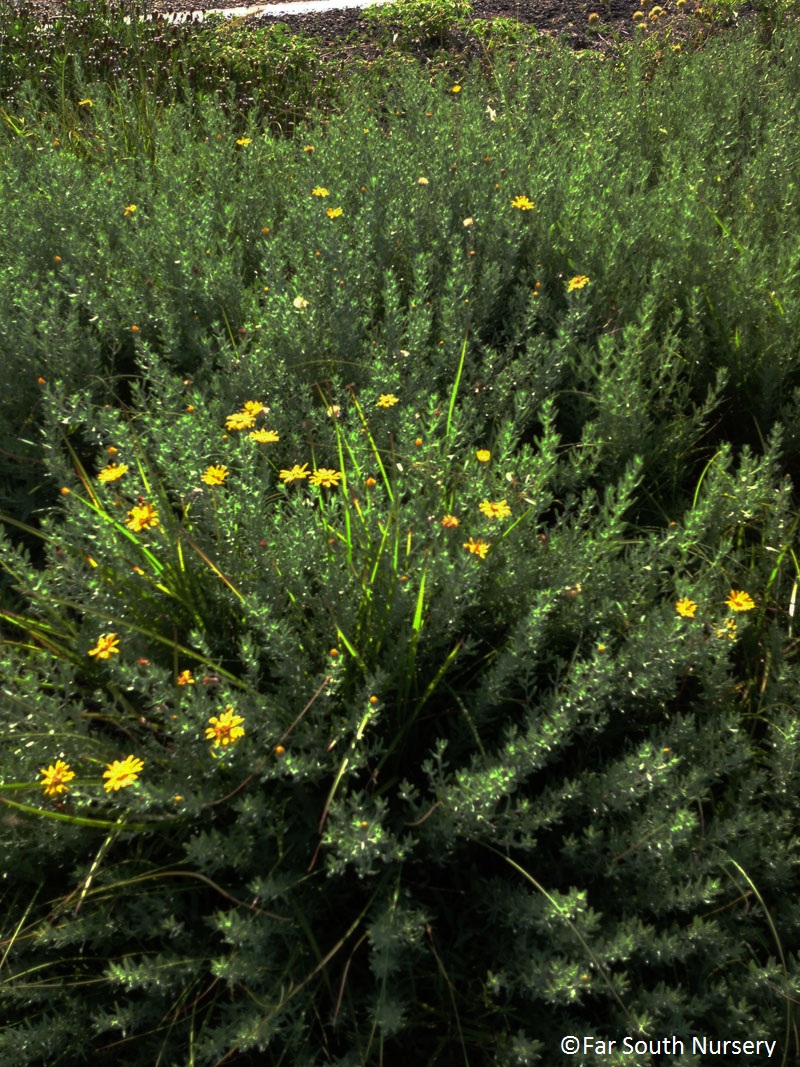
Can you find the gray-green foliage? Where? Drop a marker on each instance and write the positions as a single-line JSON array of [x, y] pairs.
[[480, 803]]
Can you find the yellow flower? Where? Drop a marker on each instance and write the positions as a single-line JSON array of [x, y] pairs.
[[370, 483], [240, 420], [325, 476], [129, 210], [297, 472], [253, 407], [142, 517], [449, 521], [422, 181], [686, 607], [122, 773], [594, 17], [477, 548], [483, 455], [300, 302], [55, 778], [728, 629], [320, 191], [386, 400], [244, 140], [739, 601], [456, 89], [333, 212], [578, 282], [264, 437], [522, 202], [226, 729], [85, 103], [106, 644], [495, 511], [185, 678], [215, 476], [309, 148], [112, 472]]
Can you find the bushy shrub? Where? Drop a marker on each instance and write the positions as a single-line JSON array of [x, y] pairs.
[[408, 668]]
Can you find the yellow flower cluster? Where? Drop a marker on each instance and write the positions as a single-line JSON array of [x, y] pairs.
[[321, 476], [119, 775], [223, 730], [737, 601]]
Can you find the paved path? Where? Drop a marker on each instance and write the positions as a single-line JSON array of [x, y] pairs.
[[297, 7]]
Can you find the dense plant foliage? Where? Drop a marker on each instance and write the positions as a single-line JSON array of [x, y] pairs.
[[399, 552]]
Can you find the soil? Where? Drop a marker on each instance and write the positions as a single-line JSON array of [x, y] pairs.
[[345, 33]]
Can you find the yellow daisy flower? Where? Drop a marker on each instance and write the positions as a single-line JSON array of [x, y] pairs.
[[106, 645], [495, 511], [320, 191], [297, 472], [56, 777], [142, 517], [253, 407], [226, 729], [112, 472], [326, 477], [483, 455], [477, 548], [739, 601], [578, 282], [333, 212], [264, 437], [240, 420], [214, 475], [386, 400], [522, 202], [185, 678], [686, 607], [449, 521], [122, 773]]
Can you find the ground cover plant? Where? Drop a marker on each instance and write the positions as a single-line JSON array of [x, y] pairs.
[[398, 543]]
